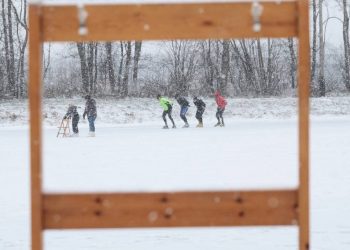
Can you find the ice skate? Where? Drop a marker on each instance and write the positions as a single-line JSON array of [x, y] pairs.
[[186, 125], [174, 126], [217, 124], [165, 127], [91, 134]]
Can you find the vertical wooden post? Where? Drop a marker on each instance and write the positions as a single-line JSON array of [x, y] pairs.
[[304, 82], [35, 50]]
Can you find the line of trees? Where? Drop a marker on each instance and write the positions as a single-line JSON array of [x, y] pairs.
[[252, 67]]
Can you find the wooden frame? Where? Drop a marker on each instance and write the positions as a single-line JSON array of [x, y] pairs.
[[183, 209]]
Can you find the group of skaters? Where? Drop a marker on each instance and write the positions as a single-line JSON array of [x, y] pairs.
[[167, 106], [90, 112]]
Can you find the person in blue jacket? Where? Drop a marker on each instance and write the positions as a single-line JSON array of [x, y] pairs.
[[184, 105]]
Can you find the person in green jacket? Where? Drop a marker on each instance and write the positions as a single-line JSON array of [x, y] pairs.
[[167, 108]]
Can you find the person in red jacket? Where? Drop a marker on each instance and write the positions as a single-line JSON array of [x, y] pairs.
[[221, 102]]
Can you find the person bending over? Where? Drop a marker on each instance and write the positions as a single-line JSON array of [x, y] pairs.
[[221, 102], [167, 108], [72, 113], [200, 110], [184, 104]]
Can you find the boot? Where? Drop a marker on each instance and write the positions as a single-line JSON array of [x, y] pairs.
[[217, 124], [91, 134], [174, 126], [200, 125], [165, 127]]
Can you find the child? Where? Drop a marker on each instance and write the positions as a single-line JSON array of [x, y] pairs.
[[73, 113], [184, 104], [91, 113], [167, 108], [200, 110], [221, 102]]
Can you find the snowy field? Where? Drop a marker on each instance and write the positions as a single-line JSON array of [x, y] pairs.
[[112, 112], [135, 155]]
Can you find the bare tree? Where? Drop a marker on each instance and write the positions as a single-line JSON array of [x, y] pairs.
[[110, 66], [125, 88], [137, 55], [321, 78], [225, 67], [346, 45], [83, 67], [21, 19], [292, 61], [314, 41]]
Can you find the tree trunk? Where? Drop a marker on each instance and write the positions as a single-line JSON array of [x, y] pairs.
[[22, 46], [111, 76], [225, 66], [125, 89], [321, 78], [292, 62], [11, 49], [83, 67], [346, 45], [314, 41], [137, 55], [10, 84], [120, 71]]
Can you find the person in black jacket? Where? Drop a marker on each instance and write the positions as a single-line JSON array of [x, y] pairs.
[[200, 110], [184, 104], [73, 113], [91, 113]]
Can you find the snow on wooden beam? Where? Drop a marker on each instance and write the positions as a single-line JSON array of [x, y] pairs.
[[169, 21], [181, 209]]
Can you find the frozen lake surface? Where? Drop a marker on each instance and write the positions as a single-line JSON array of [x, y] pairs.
[[250, 154]]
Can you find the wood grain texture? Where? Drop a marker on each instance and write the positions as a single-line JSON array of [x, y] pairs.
[[184, 209], [304, 106], [169, 21], [35, 50]]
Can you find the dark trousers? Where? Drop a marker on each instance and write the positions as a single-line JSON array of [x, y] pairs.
[[168, 112], [219, 113], [183, 112], [199, 115], [75, 122], [91, 120]]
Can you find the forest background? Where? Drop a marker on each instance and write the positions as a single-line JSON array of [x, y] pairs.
[[238, 68]]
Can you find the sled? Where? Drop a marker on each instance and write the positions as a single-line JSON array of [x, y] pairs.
[[64, 129]]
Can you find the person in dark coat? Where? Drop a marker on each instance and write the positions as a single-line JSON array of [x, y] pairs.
[[200, 110], [72, 113], [91, 113], [184, 105]]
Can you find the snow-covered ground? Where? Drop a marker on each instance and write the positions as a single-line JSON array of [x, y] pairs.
[[112, 112], [129, 155]]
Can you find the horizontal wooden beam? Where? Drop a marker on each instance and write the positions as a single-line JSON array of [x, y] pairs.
[[170, 21], [182, 209]]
